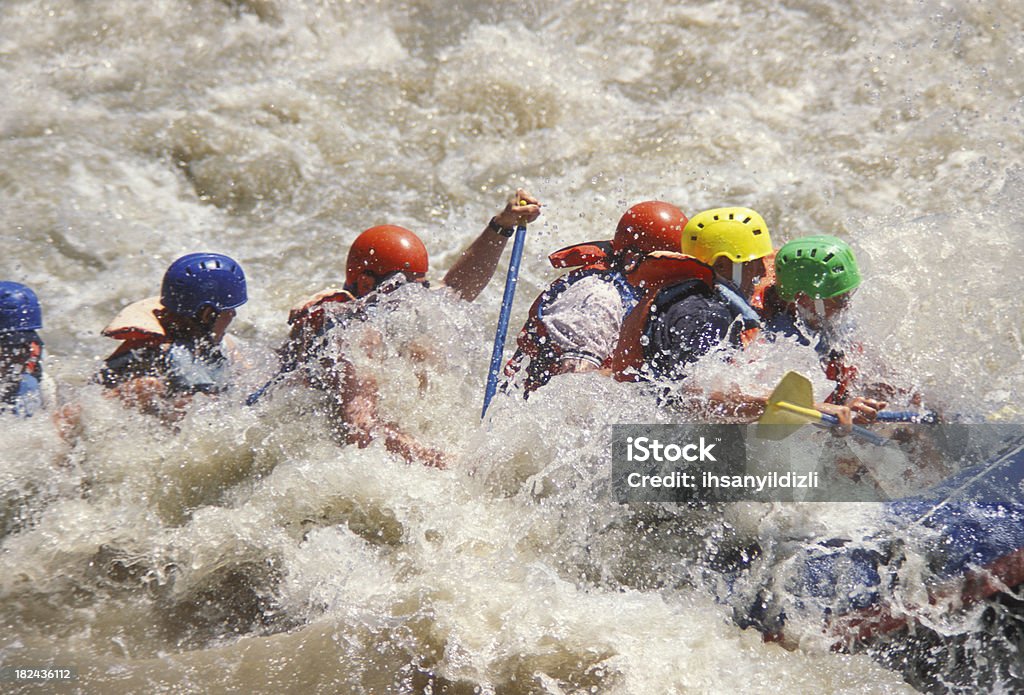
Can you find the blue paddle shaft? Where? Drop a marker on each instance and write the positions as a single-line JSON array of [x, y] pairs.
[[866, 434], [255, 396], [506, 311]]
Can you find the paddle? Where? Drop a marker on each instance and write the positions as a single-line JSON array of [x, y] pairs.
[[256, 395], [506, 311], [791, 406]]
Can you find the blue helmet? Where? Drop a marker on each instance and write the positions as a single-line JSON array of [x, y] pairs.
[[19, 308], [203, 279]]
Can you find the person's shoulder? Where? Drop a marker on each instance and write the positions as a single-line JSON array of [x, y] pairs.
[[137, 322], [699, 311], [310, 306], [131, 359], [784, 325], [592, 287], [694, 306]]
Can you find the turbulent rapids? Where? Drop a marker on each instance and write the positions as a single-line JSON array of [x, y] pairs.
[[249, 548]]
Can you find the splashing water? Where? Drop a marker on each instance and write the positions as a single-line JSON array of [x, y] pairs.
[[247, 549]]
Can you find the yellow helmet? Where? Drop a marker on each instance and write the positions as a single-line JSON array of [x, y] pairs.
[[739, 234]]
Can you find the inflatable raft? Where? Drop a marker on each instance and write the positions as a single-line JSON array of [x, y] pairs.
[[930, 554]]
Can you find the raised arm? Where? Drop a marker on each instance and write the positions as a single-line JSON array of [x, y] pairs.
[[476, 265]]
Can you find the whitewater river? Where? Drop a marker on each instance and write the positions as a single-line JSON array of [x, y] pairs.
[[248, 552]]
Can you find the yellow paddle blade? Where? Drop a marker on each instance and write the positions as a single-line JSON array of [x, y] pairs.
[[790, 406]]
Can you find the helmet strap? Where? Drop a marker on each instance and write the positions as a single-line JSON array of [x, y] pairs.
[[819, 307], [626, 260], [206, 317], [365, 283], [737, 274]]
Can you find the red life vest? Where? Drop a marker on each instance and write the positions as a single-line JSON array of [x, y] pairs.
[[595, 255], [757, 297], [843, 374], [308, 319], [659, 269], [310, 312], [656, 270], [33, 364], [758, 300]]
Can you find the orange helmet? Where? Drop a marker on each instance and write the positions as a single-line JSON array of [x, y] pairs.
[[650, 226], [383, 250]]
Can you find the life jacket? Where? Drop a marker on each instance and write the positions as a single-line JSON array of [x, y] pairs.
[[312, 318], [834, 362], [759, 302], [748, 316], [34, 363], [535, 351], [309, 319], [837, 369], [757, 297], [658, 270], [145, 340], [771, 306], [137, 326], [24, 396]]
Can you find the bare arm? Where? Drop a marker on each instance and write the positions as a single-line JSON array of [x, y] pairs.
[[149, 394], [357, 398], [475, 267], [734, 404]]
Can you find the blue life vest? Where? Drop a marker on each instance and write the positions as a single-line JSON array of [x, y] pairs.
[[191, 373], [24, 397], [738, 306], [28, 399]]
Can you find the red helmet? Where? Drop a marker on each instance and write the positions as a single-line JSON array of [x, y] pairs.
[[650, 226], [383, 250]]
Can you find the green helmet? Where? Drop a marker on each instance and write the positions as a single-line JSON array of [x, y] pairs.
[[819, 266]]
